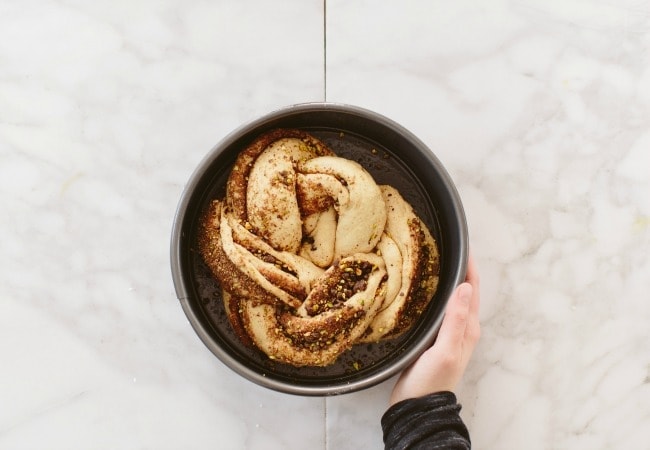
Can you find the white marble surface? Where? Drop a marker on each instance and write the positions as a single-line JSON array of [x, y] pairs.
[[540, 111]]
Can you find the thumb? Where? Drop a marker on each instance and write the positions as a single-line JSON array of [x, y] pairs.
[[464, 292], [454, 323]]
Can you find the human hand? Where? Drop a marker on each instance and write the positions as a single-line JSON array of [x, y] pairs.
[[441, 367]]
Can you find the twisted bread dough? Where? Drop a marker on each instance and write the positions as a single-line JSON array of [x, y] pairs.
[[312, 255]]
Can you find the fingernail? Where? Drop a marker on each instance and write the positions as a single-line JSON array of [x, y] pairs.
[[465, 293]]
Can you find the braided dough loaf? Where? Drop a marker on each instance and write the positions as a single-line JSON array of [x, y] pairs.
[[312, 255]]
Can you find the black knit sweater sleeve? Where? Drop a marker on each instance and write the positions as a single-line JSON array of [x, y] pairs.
[[429, 422]]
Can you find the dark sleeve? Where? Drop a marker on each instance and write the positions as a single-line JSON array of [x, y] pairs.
[[429, 422]]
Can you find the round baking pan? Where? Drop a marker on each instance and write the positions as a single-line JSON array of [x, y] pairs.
[[394, 156]]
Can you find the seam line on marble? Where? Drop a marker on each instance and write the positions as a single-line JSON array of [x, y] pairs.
[[43, 411], [325, 50], [325, 422]]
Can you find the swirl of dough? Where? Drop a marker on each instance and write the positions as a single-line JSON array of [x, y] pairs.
[[358, 203], [312, 255], [412, 262], [333, 317], [261, 188]]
